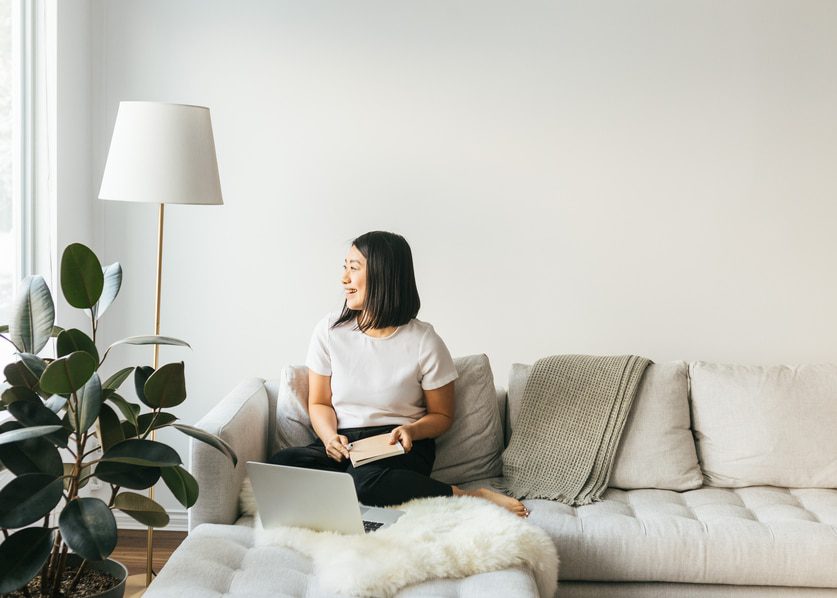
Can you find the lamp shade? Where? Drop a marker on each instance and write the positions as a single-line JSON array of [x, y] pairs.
[[162, 153]]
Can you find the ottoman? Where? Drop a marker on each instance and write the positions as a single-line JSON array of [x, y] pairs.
[[222, 560]]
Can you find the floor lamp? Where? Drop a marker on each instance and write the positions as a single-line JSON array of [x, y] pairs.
[[165, 154]]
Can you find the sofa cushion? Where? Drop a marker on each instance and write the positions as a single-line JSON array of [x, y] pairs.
[[288, 397], [657, 448], [469, 450], [759, 536], [766, 425]]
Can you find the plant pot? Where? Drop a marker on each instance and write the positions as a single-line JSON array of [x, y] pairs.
[[110, 567]]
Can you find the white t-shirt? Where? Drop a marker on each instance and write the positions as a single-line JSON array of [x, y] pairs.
[[379, 381]]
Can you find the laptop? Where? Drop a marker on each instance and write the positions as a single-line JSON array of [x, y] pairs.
[[315, 499]]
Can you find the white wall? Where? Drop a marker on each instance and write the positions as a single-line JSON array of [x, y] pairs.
[[650, 177]]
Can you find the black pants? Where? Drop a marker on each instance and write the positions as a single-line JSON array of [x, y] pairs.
[[389, 481]]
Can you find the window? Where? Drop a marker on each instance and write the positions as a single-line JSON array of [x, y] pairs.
[[15, 24], [8, 249]]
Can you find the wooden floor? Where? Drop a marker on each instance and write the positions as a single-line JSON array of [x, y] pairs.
[[130, 549]]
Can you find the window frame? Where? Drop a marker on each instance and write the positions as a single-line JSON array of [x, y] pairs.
[[23, 170]]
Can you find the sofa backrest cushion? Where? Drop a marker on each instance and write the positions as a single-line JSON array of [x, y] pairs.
[[657, 449], [469, 450], [288, 400], [772, 426]]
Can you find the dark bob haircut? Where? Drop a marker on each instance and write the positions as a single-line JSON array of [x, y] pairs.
[[392, 298]]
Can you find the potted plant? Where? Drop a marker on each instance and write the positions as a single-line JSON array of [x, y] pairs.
[[69, 424]]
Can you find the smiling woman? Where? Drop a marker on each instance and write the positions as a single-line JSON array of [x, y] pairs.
[[375, 369]]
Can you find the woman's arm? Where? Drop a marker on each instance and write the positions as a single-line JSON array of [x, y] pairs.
[[323, 418], [439, 417]]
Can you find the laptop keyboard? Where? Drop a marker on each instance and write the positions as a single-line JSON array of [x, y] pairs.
[[371, 526]]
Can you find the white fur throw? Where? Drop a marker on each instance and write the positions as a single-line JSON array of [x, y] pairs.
[[444, 537]]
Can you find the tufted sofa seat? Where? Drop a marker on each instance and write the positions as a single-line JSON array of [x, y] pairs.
[[742, 536]]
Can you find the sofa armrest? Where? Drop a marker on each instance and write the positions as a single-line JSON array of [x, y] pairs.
[[240, 419]]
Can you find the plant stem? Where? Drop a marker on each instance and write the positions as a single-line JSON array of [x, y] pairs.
[[90, 452], [51, 564], [151, 424], [114, 490], [77, 577], [56, 584]]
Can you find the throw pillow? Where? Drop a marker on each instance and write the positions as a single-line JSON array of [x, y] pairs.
[[771, 426], [471, 449]]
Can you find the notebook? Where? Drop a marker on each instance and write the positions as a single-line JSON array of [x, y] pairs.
[[372, 449]]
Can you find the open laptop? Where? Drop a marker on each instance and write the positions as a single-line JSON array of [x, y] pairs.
[[318, 500]]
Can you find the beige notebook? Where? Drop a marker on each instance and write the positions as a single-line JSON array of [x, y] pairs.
[[373, 448]]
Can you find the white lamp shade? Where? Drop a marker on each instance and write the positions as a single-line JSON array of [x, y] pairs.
[[162, 153]]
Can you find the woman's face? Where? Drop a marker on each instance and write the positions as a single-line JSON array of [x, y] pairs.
[[354, 278]]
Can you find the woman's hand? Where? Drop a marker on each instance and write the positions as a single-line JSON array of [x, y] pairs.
[[405, 435], [338, 447]]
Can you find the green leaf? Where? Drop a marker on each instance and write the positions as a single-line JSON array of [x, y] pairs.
[[4, 328], [141, 508], [147, 340], [112, 282], [126, 475], [33, 363], [166, 387], [33, 315], [36, 455], [209, 439], [163, 419], [141, 375], [149, 453], [17, 374], [73, 340], [27, 498], [89, 402], [82, 279], [22, 555], [26, 433], [35, 414], [115, 381], [89, 528], [150, 340], [183, 486], [68, 374], [56, 330], [19, 393], [129, 410], [110, 430]]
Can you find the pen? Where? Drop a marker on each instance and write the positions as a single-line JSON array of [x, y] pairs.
[[349, 446]]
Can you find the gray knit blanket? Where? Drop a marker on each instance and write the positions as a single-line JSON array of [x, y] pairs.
[[571, 418]]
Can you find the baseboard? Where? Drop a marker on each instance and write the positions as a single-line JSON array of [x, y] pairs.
[[178, 521]]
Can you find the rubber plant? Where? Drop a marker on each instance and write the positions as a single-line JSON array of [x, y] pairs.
[[69, 424]]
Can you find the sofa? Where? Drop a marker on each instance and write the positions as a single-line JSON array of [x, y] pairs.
[[724, 483]]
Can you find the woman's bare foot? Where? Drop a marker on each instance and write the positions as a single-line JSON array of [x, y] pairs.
[[507, 502]]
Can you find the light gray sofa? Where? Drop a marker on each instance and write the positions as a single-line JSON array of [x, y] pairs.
[[725, 483]]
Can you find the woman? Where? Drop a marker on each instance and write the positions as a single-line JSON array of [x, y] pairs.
[[374, 369]]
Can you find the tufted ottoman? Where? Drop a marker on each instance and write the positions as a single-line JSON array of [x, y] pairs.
[[221, 560]]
